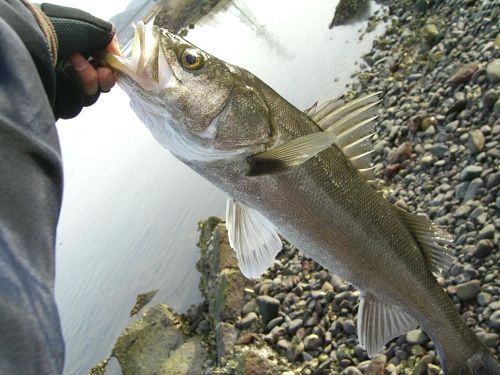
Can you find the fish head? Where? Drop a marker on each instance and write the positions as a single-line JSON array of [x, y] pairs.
[[196, 105]]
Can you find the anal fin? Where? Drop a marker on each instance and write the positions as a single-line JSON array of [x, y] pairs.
[[379, 323]]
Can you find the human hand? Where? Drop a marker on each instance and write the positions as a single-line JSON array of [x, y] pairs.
[[79, 79]]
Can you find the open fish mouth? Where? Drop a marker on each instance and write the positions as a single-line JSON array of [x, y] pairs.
[[146, 65]]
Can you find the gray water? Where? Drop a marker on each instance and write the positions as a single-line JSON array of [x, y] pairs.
[[130, 211]]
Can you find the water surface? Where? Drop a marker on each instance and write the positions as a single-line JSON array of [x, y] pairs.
[[130, 212]]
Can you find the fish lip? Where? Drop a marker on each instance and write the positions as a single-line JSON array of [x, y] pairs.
[[142, 66]]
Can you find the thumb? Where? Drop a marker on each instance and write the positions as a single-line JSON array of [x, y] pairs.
[[78, 31]]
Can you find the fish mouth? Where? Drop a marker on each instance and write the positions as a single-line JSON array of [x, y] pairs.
[[147, 65]]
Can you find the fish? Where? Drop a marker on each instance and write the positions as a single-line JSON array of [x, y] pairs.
[[304, 175]]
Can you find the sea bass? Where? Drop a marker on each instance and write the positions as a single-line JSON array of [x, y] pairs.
[[304, 175]]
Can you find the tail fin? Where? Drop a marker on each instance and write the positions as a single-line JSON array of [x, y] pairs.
[[482, 363]]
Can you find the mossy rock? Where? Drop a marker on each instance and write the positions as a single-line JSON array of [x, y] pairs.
[[348, 11]]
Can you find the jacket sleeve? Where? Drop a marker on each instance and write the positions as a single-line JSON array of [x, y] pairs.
[[30, 199]]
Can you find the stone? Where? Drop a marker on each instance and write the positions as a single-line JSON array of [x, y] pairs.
[[483, 298], [251, 362], [250, 306], [248, 320], [188, 359], [493, 180], [476, 141], [472, 189], [142, 300], [351, 370], [275, 322], [494, 321], [402, 153], [312, 342], [463, 74], [470, 172], [483, 248], [377, 365], [349, 327], [488, 231], [417, 336], [489, 99], [468, 290], [430, 34], [269, 308], [490, 339], [493, 71], [294, 325]]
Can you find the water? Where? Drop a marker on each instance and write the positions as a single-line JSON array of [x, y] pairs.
[[130, 212]]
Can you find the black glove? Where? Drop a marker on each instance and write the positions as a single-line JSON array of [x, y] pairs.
[[77, 32]]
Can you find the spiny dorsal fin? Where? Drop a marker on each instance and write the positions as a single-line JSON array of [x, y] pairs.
[[252, 237], [433, 240], [316, 112], [379, 323], [349, 126]]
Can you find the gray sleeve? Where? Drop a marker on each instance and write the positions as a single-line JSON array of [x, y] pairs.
[[30, 198]]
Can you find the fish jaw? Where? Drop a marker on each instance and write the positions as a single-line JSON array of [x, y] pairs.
[[147, 66]]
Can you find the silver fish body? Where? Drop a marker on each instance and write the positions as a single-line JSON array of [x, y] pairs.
[[214, 116]]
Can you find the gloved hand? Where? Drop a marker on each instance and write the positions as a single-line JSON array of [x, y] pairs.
[[79, 80]]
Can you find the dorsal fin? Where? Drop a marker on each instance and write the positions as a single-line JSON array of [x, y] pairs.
[[378, 323], [349, 126], [252, 237], [433, 240]]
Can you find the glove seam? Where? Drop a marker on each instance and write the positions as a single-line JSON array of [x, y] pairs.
[[47, 28]]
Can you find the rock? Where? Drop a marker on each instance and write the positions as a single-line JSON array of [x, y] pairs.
[[417, 336], [476, 141], [494, 320], [427, 122], [312, 342], [225, 338], [377, 365], [496, 108], [493, 180], [349, 327], [275, 322], [251, 362], [495, 305], [269, 308], [488, 231], [351, 370], [488, 339], [147, 344], [483, 248], [483, 298], [294, 325], [463, 74], [348, 11], [489, 99], [402, 153], [473, 188], [468, 290], [430, 34], [248, 320], [493, 71], [188, 359], [470, 172], [422, 365], [250, 306], [142, 300]]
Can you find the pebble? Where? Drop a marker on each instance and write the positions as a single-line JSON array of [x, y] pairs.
[[476, 141], [269, 307], [483, 248], [488, 231], [416, 336], [468, 290], [351, 370], [493, 71], [312, 342], [470, 172], [248, 320], [483, 298], [494, 320], [473, 189]]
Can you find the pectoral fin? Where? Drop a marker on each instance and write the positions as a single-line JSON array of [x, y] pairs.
[[252, 237], [349, 126], [290, 154], [378, 324]]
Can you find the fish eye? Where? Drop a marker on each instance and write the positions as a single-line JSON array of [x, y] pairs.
[[191, 59]]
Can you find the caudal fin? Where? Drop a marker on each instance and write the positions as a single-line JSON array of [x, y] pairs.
[[481, 363]]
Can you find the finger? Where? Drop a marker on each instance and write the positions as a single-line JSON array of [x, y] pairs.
[[87, 73], [106, 79], [114, 47]]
